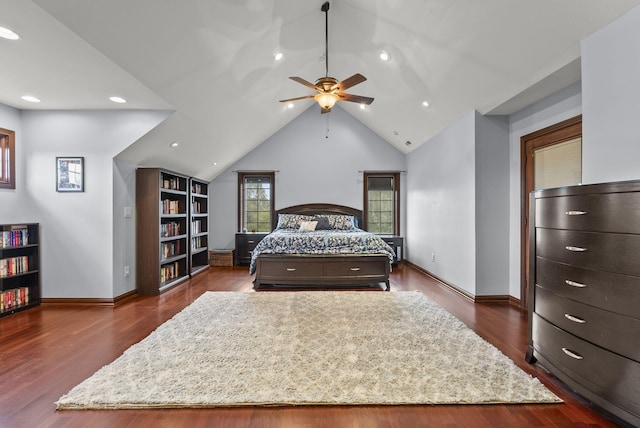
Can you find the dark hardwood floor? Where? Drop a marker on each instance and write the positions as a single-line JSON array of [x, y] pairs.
[[46, 351]]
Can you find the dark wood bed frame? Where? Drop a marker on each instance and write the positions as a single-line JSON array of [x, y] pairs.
[[324, 271]]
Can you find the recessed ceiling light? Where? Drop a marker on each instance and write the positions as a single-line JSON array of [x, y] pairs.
[[5, 33], [118, 100], [385, 56], [30, 98], [363, 106], [174, 144], [425, 103], [278, 56], [290, 105]]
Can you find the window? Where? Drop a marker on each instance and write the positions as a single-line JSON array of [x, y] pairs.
[[382, 202], [7, 159], [558, 165], [256, 200]]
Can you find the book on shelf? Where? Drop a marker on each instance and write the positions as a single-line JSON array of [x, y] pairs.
[[172, 183], [14, 238], [196, 207], [14, 266], [170, 206], [198, 242], [170, 249], [196, 226], [170, 229], [197, 188], [14, 298], [169, 272]]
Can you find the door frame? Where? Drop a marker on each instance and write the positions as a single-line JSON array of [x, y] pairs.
[[555, 134]]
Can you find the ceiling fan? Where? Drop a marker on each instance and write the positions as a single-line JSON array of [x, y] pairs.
[[329, 89]]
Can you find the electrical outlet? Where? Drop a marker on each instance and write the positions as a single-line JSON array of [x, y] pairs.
[[433, 257], [126, 271]]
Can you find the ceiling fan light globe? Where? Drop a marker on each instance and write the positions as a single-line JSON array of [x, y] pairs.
[[326, 100]]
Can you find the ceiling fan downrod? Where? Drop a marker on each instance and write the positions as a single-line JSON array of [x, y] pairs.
[[325, 9]]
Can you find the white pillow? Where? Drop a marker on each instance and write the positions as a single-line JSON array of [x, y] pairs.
[[308, 226]]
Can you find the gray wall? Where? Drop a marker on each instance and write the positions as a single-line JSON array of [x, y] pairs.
[[492, 205], [313, 164], [77, 229], [611, 101], [441, 205], [555, 108]]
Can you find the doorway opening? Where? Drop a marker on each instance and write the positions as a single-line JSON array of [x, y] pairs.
[[550, 157]]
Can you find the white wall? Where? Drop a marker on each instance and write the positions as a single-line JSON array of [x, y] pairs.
[[313, 166], [441, 205], [77, 229], [611, 94]]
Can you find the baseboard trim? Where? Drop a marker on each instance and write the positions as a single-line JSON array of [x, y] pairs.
[[496, 299], [76, 301], [89, 301], [444, 283]]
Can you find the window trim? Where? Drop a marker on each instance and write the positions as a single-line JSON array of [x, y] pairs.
[[8, 166], [396, 197], [272, 193]]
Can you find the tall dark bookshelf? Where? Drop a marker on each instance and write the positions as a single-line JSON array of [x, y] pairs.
[[19, 267], [162, 230], [199, 226]]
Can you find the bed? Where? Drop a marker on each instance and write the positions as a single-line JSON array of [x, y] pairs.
[[320, 245]]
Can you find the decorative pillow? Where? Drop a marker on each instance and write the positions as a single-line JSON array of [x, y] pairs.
[[291, 221], [323, 223], [341, 222], [308, 226]]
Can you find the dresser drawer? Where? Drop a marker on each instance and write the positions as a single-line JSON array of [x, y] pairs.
[[610, 291], [284, 269], [611, 376], [609, 252], [356, 267], [617, 333], [607, 212]]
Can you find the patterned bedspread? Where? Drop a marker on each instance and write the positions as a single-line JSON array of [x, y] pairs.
[[354, 241]]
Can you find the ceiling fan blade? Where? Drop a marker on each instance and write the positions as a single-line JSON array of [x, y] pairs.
[[305, 83], [297, 98], [349, 82], [324, 110], [356, 98]]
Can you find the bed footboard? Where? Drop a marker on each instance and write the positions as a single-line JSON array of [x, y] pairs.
[[326, 271]]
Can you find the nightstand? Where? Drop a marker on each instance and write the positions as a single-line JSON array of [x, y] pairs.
[[245, 243], [397, 243]]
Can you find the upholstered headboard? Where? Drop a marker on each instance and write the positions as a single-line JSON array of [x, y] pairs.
[[314, 209]]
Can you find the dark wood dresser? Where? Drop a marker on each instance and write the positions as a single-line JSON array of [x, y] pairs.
[[584, 291]]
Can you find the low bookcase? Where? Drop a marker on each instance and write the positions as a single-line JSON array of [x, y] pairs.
[[19, 267]]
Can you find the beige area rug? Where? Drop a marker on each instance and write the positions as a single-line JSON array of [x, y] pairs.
[[318, 348]]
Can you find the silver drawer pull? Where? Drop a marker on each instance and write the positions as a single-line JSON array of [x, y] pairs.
[[250, 242], [572, 354], [575, 249], [574, 319], [574, 284], [355, 269], [291, 269], [575, 212]]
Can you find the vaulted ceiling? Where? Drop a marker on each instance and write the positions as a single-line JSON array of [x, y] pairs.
[[212, 63]]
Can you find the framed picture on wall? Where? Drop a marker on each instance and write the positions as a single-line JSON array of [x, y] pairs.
[[69, 174]]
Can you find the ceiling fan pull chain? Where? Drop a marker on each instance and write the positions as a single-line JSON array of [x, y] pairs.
[[326, 135]]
